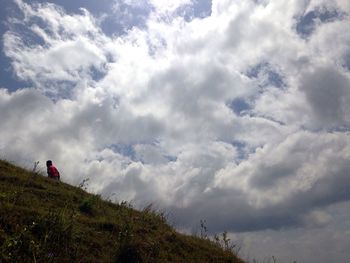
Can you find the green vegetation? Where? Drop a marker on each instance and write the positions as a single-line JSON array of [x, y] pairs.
[[42, 220]]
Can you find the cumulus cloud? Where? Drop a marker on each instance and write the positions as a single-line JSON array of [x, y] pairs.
[[236, 117], [327, 91], [63, 50]]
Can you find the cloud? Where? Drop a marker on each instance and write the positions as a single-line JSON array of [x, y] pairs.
[[126, 15], [280, 183], [66, 50], [233, 117], [301, 244], [328, 94], [164, 7]]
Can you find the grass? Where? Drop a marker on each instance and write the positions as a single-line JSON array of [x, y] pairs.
[[42, 220]]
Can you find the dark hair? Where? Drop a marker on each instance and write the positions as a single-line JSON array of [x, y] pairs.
[[48, 163]]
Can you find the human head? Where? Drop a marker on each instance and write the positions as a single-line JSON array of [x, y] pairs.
[[48, 163]]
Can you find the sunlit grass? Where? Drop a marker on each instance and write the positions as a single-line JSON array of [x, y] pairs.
[[48, 221]]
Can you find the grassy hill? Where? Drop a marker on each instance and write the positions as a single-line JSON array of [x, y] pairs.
[[42, 220]]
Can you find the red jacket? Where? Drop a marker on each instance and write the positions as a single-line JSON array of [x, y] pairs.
[[52, 172]]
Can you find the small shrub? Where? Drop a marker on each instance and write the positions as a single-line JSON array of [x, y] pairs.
[[151, 213], [35, 167], [88, 205], [126, 204], [84, 184], [204, 229], [227, 244]]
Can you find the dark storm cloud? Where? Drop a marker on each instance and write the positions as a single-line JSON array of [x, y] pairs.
[[234, 209], [328, 92], [229, 209]]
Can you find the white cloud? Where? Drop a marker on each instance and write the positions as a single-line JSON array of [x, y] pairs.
[[133, 3], [155, 124], [164, 7], [71, 48]]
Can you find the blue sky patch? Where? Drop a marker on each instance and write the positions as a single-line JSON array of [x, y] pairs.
[[242, 150], [97, 74], [171, 158], [307, 23], [94, 6], [239, 106], [198, 9], [62, 89], [346, 62], [266, 74], [113, 23], [7, 77], [124, 149], [123, 17]]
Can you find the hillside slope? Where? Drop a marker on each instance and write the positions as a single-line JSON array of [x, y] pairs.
[[46, 221]]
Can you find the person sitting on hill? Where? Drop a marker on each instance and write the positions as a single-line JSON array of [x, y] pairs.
[[52, 171]]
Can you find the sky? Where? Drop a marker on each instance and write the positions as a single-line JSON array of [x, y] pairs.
[[233, 112]]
